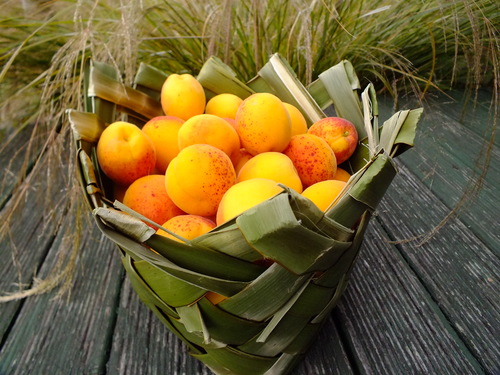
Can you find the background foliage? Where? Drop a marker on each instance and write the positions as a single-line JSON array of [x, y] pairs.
[[404, 47]]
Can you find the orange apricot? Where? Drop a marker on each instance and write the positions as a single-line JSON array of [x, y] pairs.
[[187, 226], [342, 175], [263, 124], [147, 195], [211, 130], [125, 153], [163, 130], [299, 123], [197, 178], [182, 96], [240, 158]]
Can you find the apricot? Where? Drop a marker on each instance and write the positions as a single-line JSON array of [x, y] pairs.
[[215, 298], [162, 131], [263, 124], [187, 226], [182, 96], [245, 195], [125, 153], [342, 175], [312, 157], [231, 121], [240, 158], [324, 193], [211, 130], [223, 105], [274, 166], [340, 134], [197, 178], [147, 195], [299, 123], [119, 191]]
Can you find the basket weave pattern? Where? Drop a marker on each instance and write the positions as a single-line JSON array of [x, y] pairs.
[[275, 304]]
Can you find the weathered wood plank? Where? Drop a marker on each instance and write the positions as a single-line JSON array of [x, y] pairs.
[[24, 248], [13, 156], [328, 355], [390, 321], [444, 159], [68, 336], [456, 267], [473, 110]]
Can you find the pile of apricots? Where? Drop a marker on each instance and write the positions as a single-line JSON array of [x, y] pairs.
[[206, 161]]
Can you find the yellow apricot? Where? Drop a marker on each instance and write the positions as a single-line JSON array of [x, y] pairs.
[[313, 158], [274, 166], [245, 195], [223, 105], [299, 123], [163, 130], [211, 130], [197, 178], [186, 226], [324, 193], [182, 96], [263, 124]]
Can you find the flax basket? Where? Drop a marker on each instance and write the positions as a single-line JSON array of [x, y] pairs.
[[283, 264]]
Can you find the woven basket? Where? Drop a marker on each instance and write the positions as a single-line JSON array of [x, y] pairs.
[[274, 308]]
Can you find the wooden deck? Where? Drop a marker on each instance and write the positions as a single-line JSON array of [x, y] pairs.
[[411, 307]]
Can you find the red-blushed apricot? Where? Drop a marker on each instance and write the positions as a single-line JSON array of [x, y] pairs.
[[147, 195], [340, 134], [312, 157]]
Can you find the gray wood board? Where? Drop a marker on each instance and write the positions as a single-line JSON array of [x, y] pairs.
[[445, 159], [68, 336], [458, 270]]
